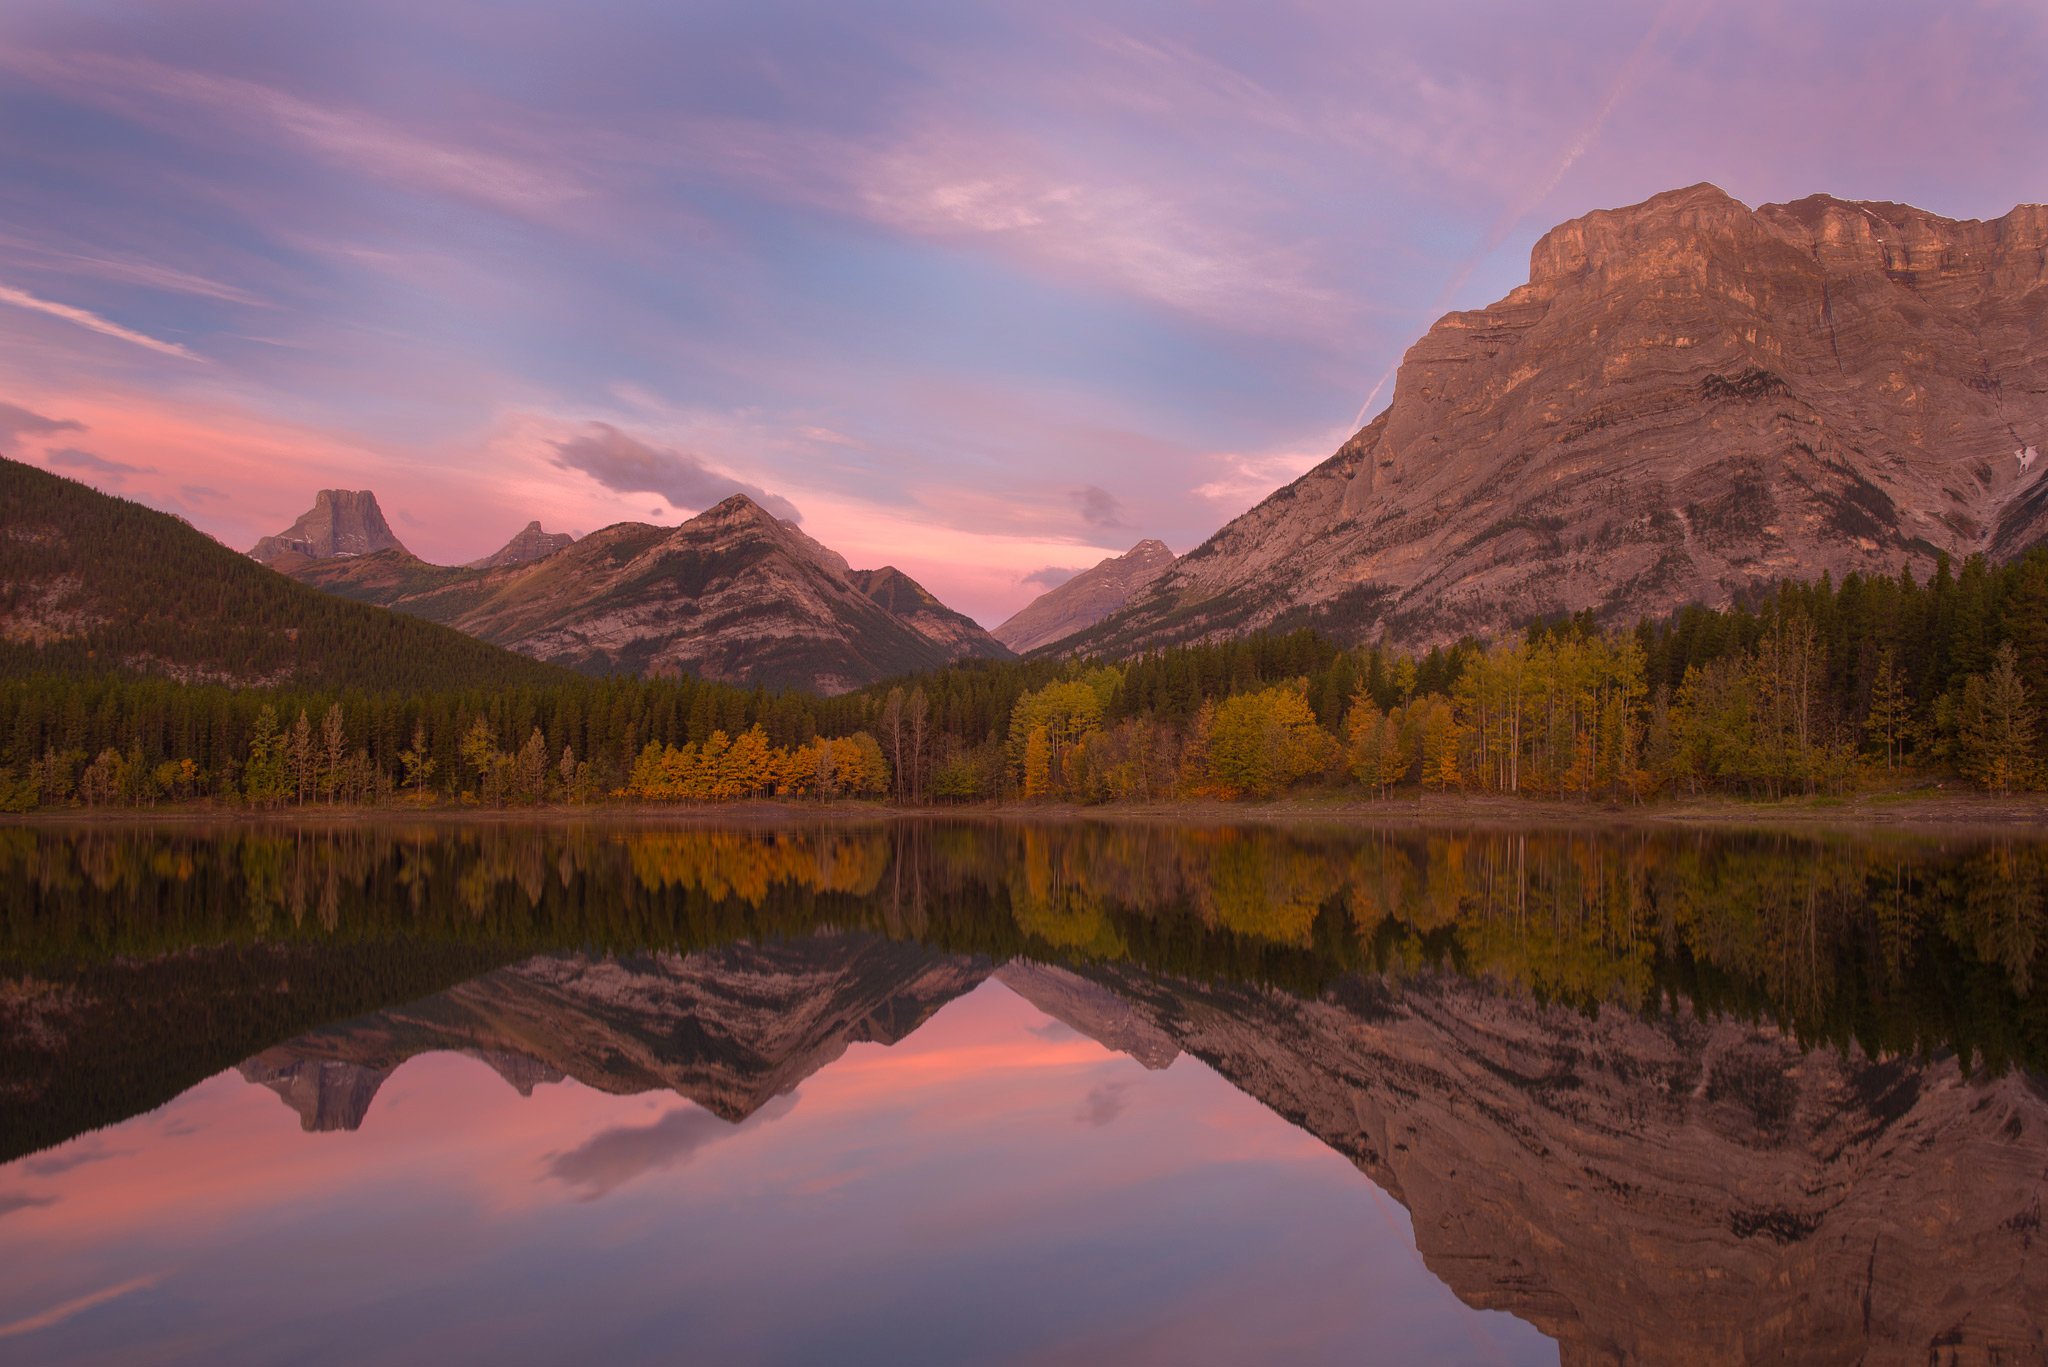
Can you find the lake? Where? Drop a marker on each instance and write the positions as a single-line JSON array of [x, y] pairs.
[[941, 1092]]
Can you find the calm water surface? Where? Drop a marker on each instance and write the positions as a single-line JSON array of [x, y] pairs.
[[937, 1092]]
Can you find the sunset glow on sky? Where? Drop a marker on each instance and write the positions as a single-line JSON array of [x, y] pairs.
[[987, 291], [919, 1200]]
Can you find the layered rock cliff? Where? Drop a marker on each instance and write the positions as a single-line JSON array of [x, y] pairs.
[[341, 522], [1688, 399], [733, 595], [1086, 599]]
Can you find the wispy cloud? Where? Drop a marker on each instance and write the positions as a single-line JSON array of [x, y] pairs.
[[11, 1201], [1051, 577], [613, 1157], [627, 465], [18, 423], [365, 142], [106, 327], [1104, 1103], [1097, 506], [71, 458], [148, 274], [70, 1309]]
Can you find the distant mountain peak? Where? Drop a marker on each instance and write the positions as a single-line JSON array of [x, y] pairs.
[[733, 594], [528, 545], [341, 522], [1086, 599]]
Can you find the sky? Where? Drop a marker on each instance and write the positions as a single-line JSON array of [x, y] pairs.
[[987, 291]]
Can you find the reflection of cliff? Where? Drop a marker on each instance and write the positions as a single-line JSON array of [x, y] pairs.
[[728, 1028], [1665, 1189]]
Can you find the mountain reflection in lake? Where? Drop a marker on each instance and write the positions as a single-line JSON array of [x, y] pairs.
[[952, 1092]]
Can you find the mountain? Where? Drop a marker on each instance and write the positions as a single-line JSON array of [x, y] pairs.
[[1648, 1187], [1086, 599], [733, 595], [91, 583], [1624, 1181], [341, 522], [528, 545], [731, 1029], [910, 602], [1687, 399]]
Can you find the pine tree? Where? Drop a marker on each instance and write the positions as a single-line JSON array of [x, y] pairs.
[[1996, 726], [1889, 724], [333, 748]]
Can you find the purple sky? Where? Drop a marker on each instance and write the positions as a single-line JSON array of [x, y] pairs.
[[979, 289]]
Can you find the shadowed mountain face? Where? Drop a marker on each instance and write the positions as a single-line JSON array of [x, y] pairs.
[[733, 595], [1686, 400], [1686, 1096]]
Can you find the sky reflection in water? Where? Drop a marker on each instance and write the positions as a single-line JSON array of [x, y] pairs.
[[994, 1187]]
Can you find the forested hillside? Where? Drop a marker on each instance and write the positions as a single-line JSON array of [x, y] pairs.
[[93, 585], [1877, 682]]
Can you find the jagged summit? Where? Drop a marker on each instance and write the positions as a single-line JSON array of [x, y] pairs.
[[1689, 399], [529, 544], [734, 594], [341, 522], [1085, 599]]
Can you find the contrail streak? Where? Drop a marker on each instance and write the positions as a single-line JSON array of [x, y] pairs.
[[84, 319], [57, 1314], [1520, 207]]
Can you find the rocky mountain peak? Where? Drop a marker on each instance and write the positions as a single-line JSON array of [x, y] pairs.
[[528, 545], [1086, 599], [341, 522], [733, 594], [1688, 400]]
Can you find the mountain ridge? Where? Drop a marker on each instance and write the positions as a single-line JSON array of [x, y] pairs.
[[1689, 399], [734, 595], [91, 583], [1086, 599]]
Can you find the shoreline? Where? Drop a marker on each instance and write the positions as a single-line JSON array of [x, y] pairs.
[[1942, 814]]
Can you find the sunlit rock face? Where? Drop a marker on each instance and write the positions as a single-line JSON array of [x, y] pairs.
[[1086, 599], [1657, 1190], [341, 523], [1687, 398]]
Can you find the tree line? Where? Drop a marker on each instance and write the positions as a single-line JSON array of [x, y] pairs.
[[1903, 946], [1808, 688]]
